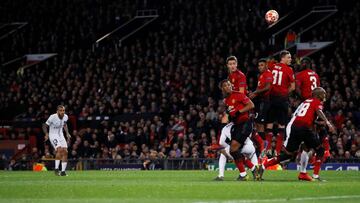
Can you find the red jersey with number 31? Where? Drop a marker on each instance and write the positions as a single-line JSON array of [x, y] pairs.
[[238, 80], [307, 80], [283, 76], [235, 102], [305, 114]]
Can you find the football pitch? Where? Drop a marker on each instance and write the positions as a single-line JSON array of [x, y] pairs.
[[175, 186]]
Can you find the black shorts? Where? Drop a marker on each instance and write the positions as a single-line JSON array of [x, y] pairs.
[[299, 135], [240, 132], [278, 110], [261, 111]]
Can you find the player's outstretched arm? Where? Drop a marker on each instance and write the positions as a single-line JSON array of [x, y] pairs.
[[322, 116], [292, 87], [45, 130]]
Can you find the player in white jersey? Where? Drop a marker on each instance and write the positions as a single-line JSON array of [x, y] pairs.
[[56, 123], [248, 151]]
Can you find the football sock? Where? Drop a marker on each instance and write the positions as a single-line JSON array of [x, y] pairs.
[[304, 160], [63, 165], [57, 163], [222, 162]]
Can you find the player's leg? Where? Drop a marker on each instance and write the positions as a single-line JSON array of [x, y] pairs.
[[251, 160], [222, 163], [314, 143], [55, 143], [282, 119], [238, 158], [64, 156], [259, 127], [291, 144]]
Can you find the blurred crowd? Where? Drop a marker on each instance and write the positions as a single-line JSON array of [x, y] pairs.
[[170, 70]]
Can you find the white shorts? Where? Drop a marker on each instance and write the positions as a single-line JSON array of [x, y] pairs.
[[248, 149], [58, 141]]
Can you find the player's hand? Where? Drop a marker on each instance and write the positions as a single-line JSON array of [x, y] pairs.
[[46, 138], [68, 135], [252, 95]]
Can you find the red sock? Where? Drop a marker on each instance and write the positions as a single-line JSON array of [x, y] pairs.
[[271, 162], [249, 164], [259, 141], [268, 138], [317, 166], [279, 141], [240, 165]]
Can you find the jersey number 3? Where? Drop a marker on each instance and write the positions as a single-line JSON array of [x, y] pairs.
[[313, 82], [277, 75]]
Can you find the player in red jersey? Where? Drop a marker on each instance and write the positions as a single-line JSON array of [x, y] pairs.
[[283, 84], [299, 129], [238, 82], [236, 77], [261, 96], [238, 107], [306, 81]]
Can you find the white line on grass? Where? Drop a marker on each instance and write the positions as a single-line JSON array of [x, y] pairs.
[[289, 199]]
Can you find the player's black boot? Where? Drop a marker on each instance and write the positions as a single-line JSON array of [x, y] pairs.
[[63, 173], [57, 172], [218, 178], [240, 178]]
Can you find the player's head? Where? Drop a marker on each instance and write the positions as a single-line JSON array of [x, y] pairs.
[[285, 57], [225, 87], [305, 63], [60, 111], [319, 93], [231, 63], [262, 65]]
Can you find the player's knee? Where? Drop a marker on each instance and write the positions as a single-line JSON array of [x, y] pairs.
[[236, 154]]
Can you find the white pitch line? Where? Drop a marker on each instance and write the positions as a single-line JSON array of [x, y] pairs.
[[289, 199]]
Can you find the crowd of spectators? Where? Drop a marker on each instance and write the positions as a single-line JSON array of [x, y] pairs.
[[171, 70]]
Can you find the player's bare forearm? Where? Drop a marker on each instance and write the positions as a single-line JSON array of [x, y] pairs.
[[45, 128], [67, 131], [322, 116]]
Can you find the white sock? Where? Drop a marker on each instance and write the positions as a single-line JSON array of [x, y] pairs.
[[57, 163], [222, 163], [63, 165], [254, 160], [315, 176], [243, 174], [304, 159]]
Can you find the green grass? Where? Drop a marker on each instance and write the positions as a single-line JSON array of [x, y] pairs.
[[175, 186]]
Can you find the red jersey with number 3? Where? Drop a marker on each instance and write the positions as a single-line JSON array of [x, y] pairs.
[[235, 102], [283, 76], [305, 114], [307, 80], [238, 80], [264, 78]]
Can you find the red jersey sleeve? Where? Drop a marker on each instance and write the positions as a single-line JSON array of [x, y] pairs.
[[291, 75], [318, 105], [268, 77]]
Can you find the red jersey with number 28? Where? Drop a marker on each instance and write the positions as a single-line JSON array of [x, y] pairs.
[[305, 114], [307, 80], [283, 76], [238, 80], [235, 102]]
